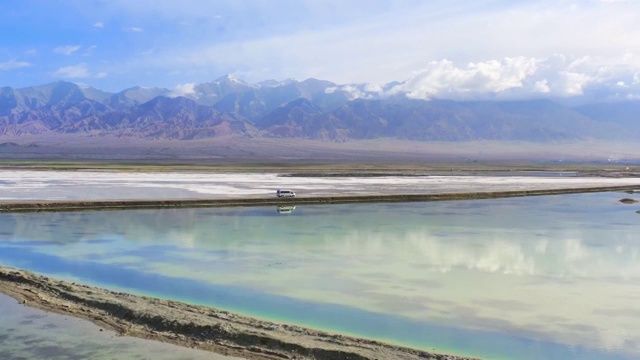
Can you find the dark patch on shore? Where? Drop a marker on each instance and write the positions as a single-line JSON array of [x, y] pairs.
[[628, 201]]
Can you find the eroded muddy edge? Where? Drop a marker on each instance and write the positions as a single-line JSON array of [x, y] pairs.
[[194, 326]]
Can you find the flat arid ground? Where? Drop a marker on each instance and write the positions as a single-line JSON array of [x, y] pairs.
[[298, 152], [26, 187], [95, 175]]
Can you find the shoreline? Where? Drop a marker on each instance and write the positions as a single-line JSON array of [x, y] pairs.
[[207, 328], [195, 326], [8, 206]]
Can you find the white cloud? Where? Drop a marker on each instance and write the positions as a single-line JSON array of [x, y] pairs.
[[541, 86], [519, 77], [12, 64], [444, 79], [357, 91], [572, 83], [98, 25], [72, 72], [79, 71], [493, 48], [184, 90], [89, 51], [66, 50], [392, 44]]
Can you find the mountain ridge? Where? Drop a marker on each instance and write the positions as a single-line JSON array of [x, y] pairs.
[[308, 109]]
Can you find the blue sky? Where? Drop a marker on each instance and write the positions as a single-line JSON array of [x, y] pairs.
[[451, 49]]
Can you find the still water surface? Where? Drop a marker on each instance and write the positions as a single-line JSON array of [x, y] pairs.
[[553, 277], [27, 333]]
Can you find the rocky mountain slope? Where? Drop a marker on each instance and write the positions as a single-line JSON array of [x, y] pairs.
[[309, 109]]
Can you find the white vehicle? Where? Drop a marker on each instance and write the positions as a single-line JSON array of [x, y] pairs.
[[285, 193]]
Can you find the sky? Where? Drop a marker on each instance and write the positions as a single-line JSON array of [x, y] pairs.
[[485, 49]]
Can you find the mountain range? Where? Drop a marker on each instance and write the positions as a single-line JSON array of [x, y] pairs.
[[309, 109]]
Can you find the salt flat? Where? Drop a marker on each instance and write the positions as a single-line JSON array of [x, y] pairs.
[[113, 185]]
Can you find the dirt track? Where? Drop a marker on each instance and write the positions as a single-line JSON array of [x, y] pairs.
[[45, 205]]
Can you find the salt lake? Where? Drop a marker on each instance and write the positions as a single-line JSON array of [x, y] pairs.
[[549, 277], [27, 333]]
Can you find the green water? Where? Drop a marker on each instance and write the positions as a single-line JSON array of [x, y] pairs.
[[554, 277]]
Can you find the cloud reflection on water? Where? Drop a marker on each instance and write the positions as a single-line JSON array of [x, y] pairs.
[[558, 268]]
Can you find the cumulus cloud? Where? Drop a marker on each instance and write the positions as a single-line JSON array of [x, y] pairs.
[[541, 86], [67, 49], [500, 50], [357, 91], [188, 89], [512, 78], [444, 78], [12, 64], [79, 71], [525, 77]]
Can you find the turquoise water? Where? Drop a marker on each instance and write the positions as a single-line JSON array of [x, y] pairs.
[[554, 277], [27, 333]]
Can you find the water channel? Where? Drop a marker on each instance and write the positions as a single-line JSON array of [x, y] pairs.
[[549, 277]]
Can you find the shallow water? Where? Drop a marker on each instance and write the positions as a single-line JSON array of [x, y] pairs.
[[553, 277], [27, 333]]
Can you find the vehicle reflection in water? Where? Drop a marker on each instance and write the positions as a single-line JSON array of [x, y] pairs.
[[285, 209]]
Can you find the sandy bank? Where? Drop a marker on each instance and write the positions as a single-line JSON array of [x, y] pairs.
[[52, 205], [194, 326]]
